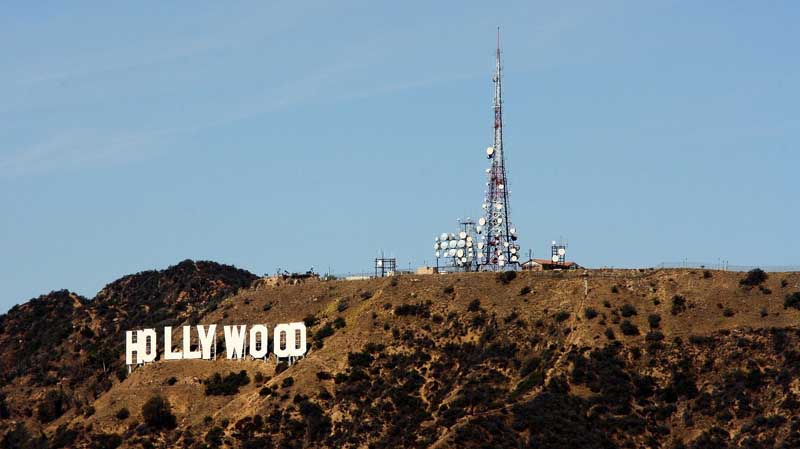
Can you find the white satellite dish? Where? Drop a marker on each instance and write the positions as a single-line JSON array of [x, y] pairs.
[[501, 263], [380, 263], [501, 257], [513, 250], [513, 258], [490, 151], [482, 221], [452, 252], [501, 187], [479, 229], [443, 236], [452, 236], [505, 244], [436, 245], [488, 170], [484, 205], [453, 243], [555, 258], [469, 238], [499, 220], [462, 243], [463, 260], [462, 235], [480, 245], [437, 254], [498, 206], [554, 242], [513, 230], [562, 251], [460, 253]]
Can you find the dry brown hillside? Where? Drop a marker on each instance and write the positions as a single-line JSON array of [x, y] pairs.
[[596, 359]]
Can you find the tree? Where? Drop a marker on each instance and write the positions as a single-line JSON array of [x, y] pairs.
[[157, 413]]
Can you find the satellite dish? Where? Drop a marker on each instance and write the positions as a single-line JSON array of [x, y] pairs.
[[501, 257], [484, 205], [513, 250], [479, 256], [555, 258], [463, 260], [513, 258], [380, 263], [501, 263], [452, 236], [460, 253], [479, 229], [482, 221], [469, 238], [505, 244], [436, 245], [554, 242], [462, 235], [453, 243], [562, 251], [488, 170], [499, 220], [462, 243], [489, 152], [437, 254], [501, 187], [443, 236], [498, 206], [480, 245], [452, 252], [513, 230], [469, 243]]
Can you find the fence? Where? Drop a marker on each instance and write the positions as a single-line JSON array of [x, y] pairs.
[[727, 267]]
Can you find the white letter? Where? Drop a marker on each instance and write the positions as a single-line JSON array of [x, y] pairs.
[[234, 341], [140, 347], [295, 347], [187, 344], [260, 343], [168, 354], [206, 339]]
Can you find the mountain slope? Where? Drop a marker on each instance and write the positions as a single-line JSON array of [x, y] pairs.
[[630, 358]]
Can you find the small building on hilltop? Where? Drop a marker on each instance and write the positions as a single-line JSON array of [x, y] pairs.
[[548, 265]]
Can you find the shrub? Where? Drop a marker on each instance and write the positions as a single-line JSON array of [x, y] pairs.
[[561, 316], [310, 320], [324, 375], [628, 328], [449, 290], [172, 381], [365, 295], [339, 323], [654, 335], [524, 290], [53, 406], [627, 310], [792, 300], [614, 289], [784, 283], [287, 382], [754, 277], [506, 277], [359, 359], [654, 320], [475, 304], [157, 413], [281, 367], [106, 441], [589, 313], [264, 391], [610, 334], [123, 414], [419, 309], [607, 304], [343, 305], [323, 333], [393, 282], [217, 385], [707, 274], [678, 304], [728, 312]]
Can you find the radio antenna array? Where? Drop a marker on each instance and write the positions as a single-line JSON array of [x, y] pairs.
[[499, 248]]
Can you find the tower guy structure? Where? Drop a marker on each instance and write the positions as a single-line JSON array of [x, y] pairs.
[[498, 248]]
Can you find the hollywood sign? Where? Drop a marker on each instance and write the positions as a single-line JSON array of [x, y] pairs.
[[289, 341]]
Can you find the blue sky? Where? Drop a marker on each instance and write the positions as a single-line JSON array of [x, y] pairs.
[[298, 134]]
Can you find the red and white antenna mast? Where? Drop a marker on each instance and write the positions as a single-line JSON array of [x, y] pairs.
[[500, 250]]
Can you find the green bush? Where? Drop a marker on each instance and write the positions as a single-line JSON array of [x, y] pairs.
[[754, 277], [157, 413], [506, 277], [123, 414], [654, 320], [628, 328], [217, 385], [792, 300], [589, 313]]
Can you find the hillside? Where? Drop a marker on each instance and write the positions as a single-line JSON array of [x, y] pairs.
[[626, 358]]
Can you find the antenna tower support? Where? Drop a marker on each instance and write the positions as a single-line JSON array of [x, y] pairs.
[[499, 235]]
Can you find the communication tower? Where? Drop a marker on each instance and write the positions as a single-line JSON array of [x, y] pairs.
[[498, 249], [457, 251], [558, 252]]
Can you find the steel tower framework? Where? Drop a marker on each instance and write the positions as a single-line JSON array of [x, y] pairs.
[[499, 236]]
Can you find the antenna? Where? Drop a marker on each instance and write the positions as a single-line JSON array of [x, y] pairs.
[[495, 226]]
